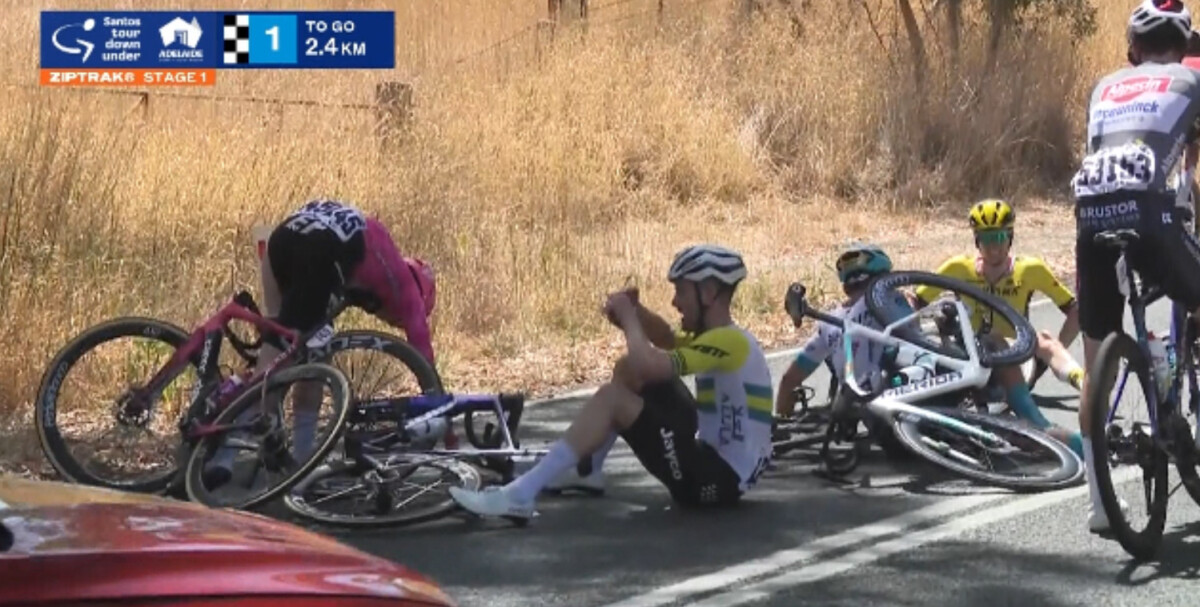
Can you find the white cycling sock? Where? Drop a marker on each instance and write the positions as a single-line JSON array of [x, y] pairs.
[[559, 459], [1073, 375], [1090, 461], [599, 454]]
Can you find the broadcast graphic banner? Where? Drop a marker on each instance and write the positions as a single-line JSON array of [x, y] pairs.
[[188, 47]]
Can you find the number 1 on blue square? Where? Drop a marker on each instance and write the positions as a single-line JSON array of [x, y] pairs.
[[272, 39]]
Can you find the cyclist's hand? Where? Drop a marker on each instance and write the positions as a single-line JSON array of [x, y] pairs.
[[620, 306]]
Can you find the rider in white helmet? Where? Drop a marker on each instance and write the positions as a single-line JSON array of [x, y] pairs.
[[707, 449]]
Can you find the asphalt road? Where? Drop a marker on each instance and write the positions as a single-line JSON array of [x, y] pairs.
[[900, 534]]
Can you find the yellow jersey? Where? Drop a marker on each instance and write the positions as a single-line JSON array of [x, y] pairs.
[[1026, 276]]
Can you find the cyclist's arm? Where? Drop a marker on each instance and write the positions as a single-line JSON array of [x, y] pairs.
[[809, 358], [658, 331], [402, 307], [925, 294], [408, 313], [1049, 285], [649, 363], [721, 349]]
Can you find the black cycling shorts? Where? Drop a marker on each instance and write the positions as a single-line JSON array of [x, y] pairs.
[[1166, 254], [664, 439], [309, 269]]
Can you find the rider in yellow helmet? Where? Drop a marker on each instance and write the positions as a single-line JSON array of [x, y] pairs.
[[1014, 278]]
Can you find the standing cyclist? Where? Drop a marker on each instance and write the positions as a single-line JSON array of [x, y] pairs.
[[1141, 121], [706, 450], [322, 248]]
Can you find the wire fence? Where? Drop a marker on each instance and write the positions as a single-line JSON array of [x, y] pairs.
[[520, 48]]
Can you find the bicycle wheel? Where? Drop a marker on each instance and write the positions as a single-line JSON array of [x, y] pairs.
[[882, 302], [1111, 447], [273, 452], [363, 339], [129, 414], [1005, 467], [401, 489], [1187, 457]]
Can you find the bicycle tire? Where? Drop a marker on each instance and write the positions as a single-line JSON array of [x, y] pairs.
[[880, 302], [1187, 458], [1100, 380], [330, 376], [427, 377], [1068, 472], [467, 477], [46, 407]]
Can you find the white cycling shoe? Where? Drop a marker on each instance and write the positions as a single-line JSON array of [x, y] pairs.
[[1098, 518], [492, 501]]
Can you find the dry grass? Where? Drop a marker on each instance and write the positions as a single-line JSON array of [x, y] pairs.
[[535, 182]]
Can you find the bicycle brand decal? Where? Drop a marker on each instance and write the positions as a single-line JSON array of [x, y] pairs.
[[937, 380]]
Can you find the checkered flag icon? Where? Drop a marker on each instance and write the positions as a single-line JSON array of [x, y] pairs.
[[237, 39]]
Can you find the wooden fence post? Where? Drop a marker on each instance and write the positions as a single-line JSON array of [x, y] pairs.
[[543, 37], [393, 113]]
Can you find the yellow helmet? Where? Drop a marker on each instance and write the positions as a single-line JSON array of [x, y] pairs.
[[992, 214]]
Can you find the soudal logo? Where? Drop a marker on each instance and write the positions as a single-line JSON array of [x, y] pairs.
[[1131, 88]]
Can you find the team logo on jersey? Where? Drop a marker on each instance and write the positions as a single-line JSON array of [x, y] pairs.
[[1132, 88]]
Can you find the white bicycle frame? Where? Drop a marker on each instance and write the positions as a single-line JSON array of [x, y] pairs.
[[893, 402]]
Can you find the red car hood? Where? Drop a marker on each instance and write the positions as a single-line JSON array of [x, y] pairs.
[[93, 544]]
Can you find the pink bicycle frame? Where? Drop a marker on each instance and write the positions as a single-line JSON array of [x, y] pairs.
[[205, 340]]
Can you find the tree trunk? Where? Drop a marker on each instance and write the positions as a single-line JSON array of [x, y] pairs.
[[953, 26], [1001, 13], [916, 44]]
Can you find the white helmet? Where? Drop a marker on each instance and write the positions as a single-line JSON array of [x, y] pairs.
[[1151, 14], [698, 262]]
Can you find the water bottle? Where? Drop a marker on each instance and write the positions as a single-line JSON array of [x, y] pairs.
[[426, 434], [233, 383], [1159, 365]]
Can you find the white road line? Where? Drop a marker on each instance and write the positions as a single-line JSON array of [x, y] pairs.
[[815, 571], [812, 550], [771, 356]]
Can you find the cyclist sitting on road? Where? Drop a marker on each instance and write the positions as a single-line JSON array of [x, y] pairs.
[[1143, 124], [856, 265], [323, 248], [1014, 279], [706, 450]]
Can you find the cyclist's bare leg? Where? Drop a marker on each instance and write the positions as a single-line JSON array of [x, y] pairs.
[[611, 409], [1055, 355], [306, 396], [1020, 400]]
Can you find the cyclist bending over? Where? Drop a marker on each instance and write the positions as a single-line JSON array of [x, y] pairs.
[[706, 450], [1015, 279], [1142, 121], [326, 247]]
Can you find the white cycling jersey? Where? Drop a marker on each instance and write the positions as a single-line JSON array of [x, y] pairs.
[[828, 343]]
